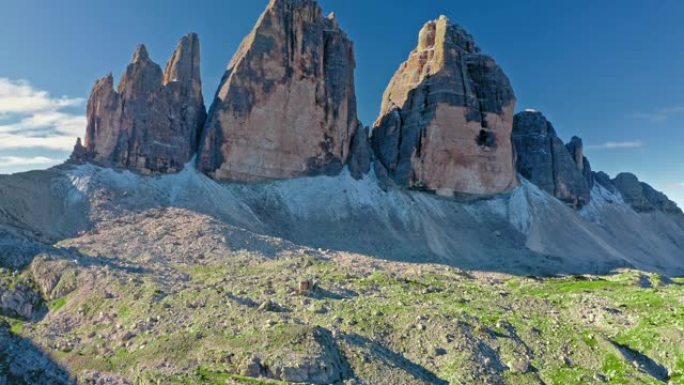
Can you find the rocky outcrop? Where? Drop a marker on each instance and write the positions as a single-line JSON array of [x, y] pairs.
[[604, 180], [93, 377], [54, 277], [79, 154], [151, 123], [544, 160], [321, 362], [286, 106], [18, 299], [641, 196], [576, 150], [446, 117]]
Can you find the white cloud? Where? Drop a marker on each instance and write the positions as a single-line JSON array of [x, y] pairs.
[[32, 118], [61, 143], [20, 161], [19, 97], [659, 116], [615, 145]]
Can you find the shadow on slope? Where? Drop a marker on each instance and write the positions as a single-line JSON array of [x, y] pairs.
[[643, 362], [23, 363], [393, 359]]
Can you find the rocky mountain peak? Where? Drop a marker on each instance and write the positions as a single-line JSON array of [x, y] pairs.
[[641, 196], [80, 152], [446, 117], [140, 54], [142, 76], [286, 106], [184, 65], [544, 160], [576, 149], [151, 123]]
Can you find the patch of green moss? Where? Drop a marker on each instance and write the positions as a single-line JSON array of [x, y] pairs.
[[57, 304]]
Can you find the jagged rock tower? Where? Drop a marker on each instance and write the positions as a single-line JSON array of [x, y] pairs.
[[151, 123], [543, 159], [286, 106], [446, 118]]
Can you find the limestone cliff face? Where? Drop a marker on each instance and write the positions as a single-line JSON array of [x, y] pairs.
[[286, 106], [446, 118], [544, 160], [151, 123]]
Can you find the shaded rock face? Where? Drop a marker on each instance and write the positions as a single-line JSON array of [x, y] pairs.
[[446, 118], [604, 180], [151, 123], [361, 154], [576, 150], [544, 160], [286, 106], [641, 196], [19, 300], [79, 154]]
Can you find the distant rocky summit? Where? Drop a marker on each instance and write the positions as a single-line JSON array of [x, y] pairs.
[[446, 118], [544, 160], [641, 196], [152, 122], [286, 106]]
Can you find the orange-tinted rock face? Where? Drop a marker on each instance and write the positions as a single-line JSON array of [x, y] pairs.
[[151, 123], [446, 118], [286, 106]]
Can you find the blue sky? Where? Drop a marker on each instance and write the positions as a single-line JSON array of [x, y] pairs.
[[610, 71]]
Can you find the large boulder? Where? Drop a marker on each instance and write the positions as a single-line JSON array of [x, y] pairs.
[[544, 160], [446, 118], [286, 106], [151, 123], [18, 298], [641, 196]]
